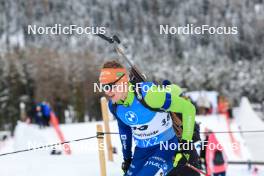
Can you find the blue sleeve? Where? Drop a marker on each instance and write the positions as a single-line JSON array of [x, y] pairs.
[[46, 110], [125, 134]]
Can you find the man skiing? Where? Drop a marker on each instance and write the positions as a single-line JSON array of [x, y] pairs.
[[152, 130]]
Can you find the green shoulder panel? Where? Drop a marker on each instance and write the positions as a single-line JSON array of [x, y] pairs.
[[155, 98]]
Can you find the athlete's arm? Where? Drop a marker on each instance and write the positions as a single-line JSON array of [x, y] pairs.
[[126, 139], [125, 135], [156, 96]]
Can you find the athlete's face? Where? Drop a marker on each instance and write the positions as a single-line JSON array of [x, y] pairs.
[[117, 92]]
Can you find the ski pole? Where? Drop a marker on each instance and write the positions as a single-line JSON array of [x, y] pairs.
[[195, 169]]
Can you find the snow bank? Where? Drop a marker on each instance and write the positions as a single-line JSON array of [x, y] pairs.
[[218, 123], [248, 120]]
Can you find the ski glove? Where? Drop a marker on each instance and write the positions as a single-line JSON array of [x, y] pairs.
[[125, 165], [183, 155]]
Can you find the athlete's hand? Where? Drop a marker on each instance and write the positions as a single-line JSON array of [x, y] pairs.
[[183, 155], [125, 165]]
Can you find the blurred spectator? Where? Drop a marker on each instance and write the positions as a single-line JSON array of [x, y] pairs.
[[255, 171], [204, 107], [42, 114], [46, 110], [38, 116], [215, 159], [224, 107]]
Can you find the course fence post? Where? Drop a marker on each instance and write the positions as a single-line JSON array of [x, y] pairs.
[[105, 113], [100, 139]]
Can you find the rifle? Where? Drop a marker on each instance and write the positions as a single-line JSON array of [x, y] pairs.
[[135, 75]]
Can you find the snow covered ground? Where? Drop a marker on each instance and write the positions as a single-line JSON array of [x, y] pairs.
[[84, 158]]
